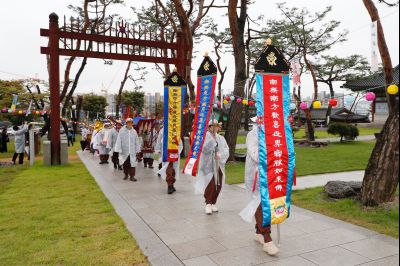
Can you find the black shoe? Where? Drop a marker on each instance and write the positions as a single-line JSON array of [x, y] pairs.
[[126, 177], [120, 167], [106, 162], [159, 176], [133, 179], [101, 162], [151, 167], [115, 166], [173, 189]]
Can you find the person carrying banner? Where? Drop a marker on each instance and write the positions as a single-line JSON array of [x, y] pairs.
[[102, 141], [169, 171], [149, 143], [211, 175], [128, 147], [112, 140], [19, 144], [252, 182]]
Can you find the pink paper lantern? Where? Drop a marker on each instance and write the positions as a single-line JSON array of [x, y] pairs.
[[4, 110], [219, 104], [370, 96], [303, 106], [239, 100]]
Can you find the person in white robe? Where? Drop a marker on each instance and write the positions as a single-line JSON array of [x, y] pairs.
[[102, 141], [112, 140], [169, 171], [128, 147], [19, 143], [252, 182], [211, 175]]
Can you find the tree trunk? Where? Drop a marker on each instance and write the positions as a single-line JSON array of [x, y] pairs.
[[329, 111], [309, 124], [121, 88], [237, 25], [75, 84], [382, 174], [313, 75]]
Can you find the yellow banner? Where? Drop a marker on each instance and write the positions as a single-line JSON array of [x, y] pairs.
[[174, 118]]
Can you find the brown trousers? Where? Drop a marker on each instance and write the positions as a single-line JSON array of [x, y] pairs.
[[148, 161], [170, 174], [128, 169], [104, 157], [115, 159], [260, 229], [212, 191]]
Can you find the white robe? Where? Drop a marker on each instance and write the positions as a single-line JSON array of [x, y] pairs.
[[20, 139], [251, 170], [207, 161], [159, 150], [128, 144], [102, 141], [112, 139], [93, 142]]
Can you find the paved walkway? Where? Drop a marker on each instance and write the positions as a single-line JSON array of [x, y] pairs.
[[360, 138], [311, 181], [172, 230]]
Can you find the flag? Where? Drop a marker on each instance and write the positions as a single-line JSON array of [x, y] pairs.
[[174, 99], [276, 148], [28, 112], [207, 77], [374, 47], [14, 103]]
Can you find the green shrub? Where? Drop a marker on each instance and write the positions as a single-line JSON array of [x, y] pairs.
[[347, 131]]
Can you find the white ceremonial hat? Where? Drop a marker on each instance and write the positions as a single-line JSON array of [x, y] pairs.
[[213, 122]]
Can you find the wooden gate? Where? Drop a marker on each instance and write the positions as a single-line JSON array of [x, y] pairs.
[[114, 41]]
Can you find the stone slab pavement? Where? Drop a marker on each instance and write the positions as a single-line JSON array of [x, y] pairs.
[[360, 138], [173, 230], [311, 181]]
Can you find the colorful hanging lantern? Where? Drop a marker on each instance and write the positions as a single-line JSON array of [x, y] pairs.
[[245, 102], [251, 103], [239, 100], [293, 106], [217, 105], [370, 96], [393, 89], [20, 112], [232, 98], [317, 105], [303, 106], [333, 102], [226, 101], [10, 111], [4, 110]]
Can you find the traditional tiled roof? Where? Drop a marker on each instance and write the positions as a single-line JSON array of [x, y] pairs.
[[376, 81]]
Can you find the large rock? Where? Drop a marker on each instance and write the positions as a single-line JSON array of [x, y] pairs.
[[341, 189]]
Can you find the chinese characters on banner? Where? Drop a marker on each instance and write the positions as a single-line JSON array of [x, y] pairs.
[[205, 98], [174, 123]]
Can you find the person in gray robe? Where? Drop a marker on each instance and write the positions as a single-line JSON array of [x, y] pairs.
[[112, 140], [211, 175], [128, 147], [19, 144], [102, 140]]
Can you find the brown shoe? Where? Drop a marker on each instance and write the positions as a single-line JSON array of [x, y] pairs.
[[126, 177], [133, 179]]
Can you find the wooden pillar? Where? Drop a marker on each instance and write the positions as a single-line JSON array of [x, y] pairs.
[[180, 40], [54, 82]]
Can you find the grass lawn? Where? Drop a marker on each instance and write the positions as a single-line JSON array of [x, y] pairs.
[[322, 133], [59, 216], [336, 157], [383, 219]]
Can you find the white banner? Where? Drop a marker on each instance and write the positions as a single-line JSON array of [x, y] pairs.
[[374, 47]]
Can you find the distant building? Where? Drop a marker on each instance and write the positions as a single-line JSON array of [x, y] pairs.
[[377, 84], [152, 103]]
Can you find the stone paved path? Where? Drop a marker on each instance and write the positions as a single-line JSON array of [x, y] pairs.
[[360, 138], [311, 181], [172, 230]]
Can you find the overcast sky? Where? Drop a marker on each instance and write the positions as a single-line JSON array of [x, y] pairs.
[[20, 21]]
